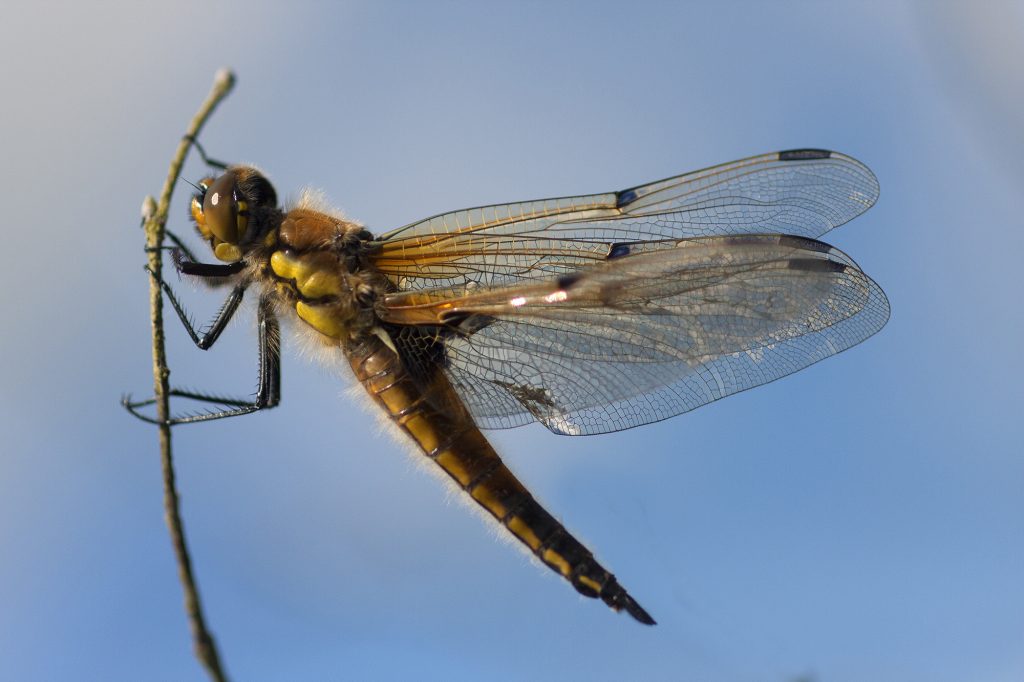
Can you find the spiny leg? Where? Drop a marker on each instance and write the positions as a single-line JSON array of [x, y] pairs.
[[185, 263], [178, 249], [213, 330], [179, 246], [268, 392]]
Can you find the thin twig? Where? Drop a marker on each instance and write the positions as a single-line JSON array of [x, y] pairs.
[[155, 220]]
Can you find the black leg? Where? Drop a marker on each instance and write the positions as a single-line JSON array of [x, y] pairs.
[[187, 265], [268, 392], [212, 163], [214, 329], [179, 245]]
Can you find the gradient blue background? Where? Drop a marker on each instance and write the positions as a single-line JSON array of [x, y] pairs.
[[863, 519]]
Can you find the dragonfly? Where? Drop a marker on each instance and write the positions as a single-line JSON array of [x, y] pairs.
[[589, 314]]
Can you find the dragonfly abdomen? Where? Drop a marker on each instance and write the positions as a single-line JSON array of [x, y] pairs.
[[430, 412]]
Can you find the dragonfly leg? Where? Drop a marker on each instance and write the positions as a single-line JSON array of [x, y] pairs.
[[213, 330], [268, 391], [212, 163], [179, 248]]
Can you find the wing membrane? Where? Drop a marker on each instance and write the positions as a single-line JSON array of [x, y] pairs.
[[641, 338], [801, 192]]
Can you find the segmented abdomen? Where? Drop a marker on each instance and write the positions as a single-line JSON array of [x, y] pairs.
[[431, 413]]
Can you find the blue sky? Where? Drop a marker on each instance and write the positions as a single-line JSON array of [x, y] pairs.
[[862, 519]]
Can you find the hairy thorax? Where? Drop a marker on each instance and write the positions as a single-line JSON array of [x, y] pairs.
[[314, 267]]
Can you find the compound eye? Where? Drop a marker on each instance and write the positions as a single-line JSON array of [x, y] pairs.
[[220, 208], [197, 207]]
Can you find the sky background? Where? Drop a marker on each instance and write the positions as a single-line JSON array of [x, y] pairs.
[[862, 519]]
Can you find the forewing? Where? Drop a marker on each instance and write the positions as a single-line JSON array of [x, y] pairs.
[[644, 337], [800, 192]]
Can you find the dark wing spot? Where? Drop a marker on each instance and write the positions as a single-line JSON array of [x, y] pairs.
[[816, 265], [566, 281], [618, 250], [625, 197], [804, 154], [471, 324], [804, 243]]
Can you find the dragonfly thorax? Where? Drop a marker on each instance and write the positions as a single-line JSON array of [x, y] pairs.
[[325, 294], [317, 265]]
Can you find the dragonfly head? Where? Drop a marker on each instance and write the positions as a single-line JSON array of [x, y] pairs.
[[234, 211]]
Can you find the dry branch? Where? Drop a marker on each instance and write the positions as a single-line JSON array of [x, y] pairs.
[[155, 220]]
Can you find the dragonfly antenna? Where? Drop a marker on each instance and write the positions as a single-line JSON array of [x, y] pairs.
[[194, 185]]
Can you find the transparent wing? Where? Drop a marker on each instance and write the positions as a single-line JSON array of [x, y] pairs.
[[644, 337], [800, 192]]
